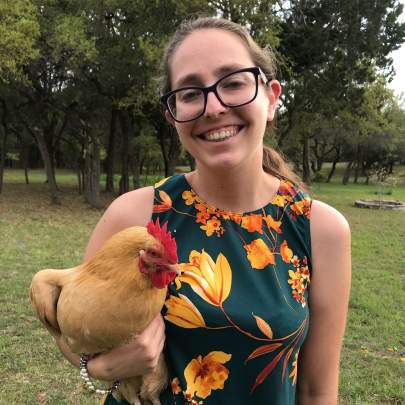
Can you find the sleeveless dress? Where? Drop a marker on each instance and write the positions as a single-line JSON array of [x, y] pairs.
[[237, 315]]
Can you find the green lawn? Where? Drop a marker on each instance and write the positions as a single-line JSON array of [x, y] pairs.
[[35, 235]]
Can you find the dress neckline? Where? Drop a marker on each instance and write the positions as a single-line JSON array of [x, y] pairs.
[[212, 208]]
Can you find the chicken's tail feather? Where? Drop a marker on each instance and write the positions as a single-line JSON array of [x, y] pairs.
[[44, 293]]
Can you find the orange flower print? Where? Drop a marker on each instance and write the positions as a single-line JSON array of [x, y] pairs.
[[175, 383], [204, 374], [165, 204], [259, 254], [272, 224], [189, 197], [295, 261], [287, 189], [236, 217], [302, 207], [211, 226], [286, 252], [299, 281], [253, 223], [202, 217], [294, 371]]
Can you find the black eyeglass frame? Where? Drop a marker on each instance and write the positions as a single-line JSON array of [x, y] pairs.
[[213, 88]]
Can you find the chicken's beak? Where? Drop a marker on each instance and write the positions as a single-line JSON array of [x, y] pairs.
[[175, 268]]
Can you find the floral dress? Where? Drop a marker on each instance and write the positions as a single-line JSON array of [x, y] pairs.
[[237, 315]]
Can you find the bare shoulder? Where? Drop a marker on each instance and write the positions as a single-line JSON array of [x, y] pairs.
[[330, 244], [130, 209], [328, 224]]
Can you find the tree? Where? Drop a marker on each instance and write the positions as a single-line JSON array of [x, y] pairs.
[[334, 49]]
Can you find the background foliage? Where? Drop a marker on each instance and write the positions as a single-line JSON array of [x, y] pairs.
[[79, 85]]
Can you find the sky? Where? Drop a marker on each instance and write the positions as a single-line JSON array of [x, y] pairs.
[[398, 84]]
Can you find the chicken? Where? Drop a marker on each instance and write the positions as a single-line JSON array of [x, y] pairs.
[[102, 303]]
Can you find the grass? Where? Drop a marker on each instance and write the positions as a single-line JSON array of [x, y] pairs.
[[35, 235]]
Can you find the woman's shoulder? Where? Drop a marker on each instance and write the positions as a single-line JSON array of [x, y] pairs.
[[328, 225], [132, 208]]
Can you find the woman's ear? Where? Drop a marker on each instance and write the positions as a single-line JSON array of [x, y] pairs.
[[274, 91], [169, 118]]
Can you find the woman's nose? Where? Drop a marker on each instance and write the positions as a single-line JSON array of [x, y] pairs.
[[214, 106]]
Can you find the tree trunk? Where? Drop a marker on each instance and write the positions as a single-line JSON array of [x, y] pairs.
[[136, 172], [171, 148], [306, 158], [79, 180], [348, 171], [124, 180], [333, 168], [53, 188], [109, 185], [3, 145], [3, 158], [92, 173]]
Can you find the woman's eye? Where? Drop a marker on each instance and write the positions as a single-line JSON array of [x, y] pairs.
[[233, 84], [189, 95]]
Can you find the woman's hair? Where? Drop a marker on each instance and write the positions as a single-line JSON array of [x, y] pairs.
[[273, 162]]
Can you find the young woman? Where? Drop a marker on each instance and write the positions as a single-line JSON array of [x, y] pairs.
[[258, 314]]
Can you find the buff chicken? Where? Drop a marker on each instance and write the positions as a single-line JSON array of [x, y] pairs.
[[101, 304]]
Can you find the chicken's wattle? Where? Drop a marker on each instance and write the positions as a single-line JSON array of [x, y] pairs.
[[161, 278]]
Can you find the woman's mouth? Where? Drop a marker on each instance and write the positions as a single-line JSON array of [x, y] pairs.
[[220, 134]]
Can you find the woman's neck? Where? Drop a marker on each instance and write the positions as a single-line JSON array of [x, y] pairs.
[[237, 190]]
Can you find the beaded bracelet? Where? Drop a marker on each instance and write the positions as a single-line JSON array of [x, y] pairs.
[[85, 375]]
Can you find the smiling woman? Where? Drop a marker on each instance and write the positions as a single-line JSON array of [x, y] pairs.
[[251, 317]]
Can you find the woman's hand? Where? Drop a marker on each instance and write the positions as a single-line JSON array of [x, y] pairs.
[[137, 357]]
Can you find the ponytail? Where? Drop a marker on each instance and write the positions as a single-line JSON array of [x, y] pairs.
[[274, 164]]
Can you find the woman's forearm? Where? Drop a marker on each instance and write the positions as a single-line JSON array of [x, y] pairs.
[[95, 366], [321, 399]]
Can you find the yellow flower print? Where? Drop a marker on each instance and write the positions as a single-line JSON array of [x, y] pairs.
[[286, 253], [211, 226], [161, 182], [182, 312], [272, 224], [252, 222], [204, 374], [189, 197], [299, 281], [175, 383], [294, 371], [211, 281], [259, 254], [279, 200]]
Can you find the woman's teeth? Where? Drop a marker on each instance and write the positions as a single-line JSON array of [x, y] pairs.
[[221, 135]]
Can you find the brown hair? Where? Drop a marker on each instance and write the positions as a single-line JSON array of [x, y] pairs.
[[273, 162]]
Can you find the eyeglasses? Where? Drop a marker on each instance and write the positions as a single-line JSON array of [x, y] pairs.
[[233, 90]]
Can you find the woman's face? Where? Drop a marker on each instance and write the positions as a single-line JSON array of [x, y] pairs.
[[222, 138]]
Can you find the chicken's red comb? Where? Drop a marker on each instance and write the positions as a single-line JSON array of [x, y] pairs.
[[165, 237]]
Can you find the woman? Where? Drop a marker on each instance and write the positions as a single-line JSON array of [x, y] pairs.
[[266, 271]]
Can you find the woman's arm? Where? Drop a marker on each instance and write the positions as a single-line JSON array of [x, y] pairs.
[[318, 373], [141, 354]]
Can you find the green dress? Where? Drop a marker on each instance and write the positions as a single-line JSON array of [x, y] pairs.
[[238, 315]]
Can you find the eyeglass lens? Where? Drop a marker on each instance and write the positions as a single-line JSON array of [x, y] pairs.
[[233, 90]]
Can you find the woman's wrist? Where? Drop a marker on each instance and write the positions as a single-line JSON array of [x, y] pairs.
[[97, 369]]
